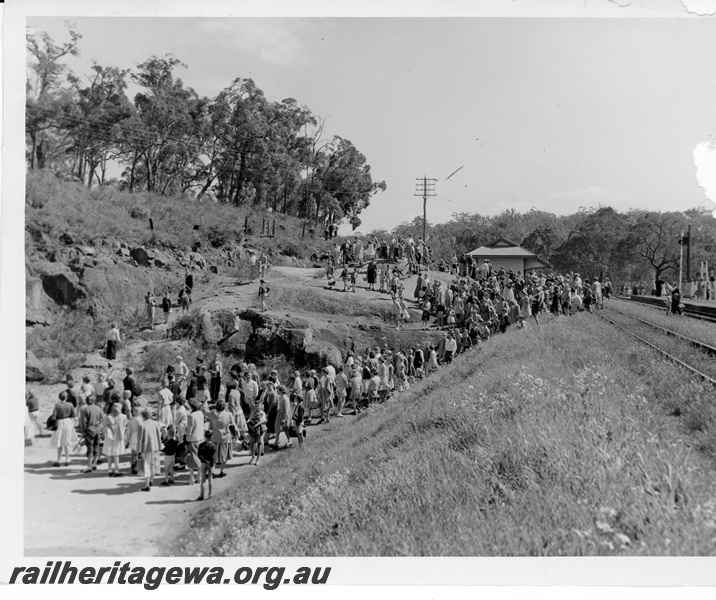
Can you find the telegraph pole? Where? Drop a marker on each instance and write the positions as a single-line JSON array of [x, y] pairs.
[[688, 259], [681, 262], [425, 187]]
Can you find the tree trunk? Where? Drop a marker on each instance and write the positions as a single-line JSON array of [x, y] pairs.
[[240, 179], [148, 166], [33, 156], [131, 172], [206, 187], [91, 176]]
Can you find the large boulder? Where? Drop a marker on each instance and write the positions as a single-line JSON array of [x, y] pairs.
[[236, 340], [197, 259], [320, 354], [34, 369], [36, 312], [60, 283], [161, 260], [140, 255], [272, 335], [118, 288], [264, 342], [339, 335]]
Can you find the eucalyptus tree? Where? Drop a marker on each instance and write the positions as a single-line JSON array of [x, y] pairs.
[[162, 137], [47, 101], [102, 105]]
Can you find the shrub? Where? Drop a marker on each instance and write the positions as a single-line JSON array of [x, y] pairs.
[[188, 326], [218, 236], [289, 248], [72, 332], [57, 368], [155, 359], [139, 212]]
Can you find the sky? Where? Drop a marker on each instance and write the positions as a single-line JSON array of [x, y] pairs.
[[547, 113]]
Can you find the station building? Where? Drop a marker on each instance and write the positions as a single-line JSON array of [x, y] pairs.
[[505, 253]]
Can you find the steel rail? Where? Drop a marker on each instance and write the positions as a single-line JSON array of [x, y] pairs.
[[696, 343], [666, 354]]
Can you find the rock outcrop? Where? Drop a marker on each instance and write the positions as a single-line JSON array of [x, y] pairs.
[[59, 283], [34, 369], [319, 354]]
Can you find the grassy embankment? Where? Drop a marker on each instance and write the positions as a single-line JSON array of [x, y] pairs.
[[558, 440]]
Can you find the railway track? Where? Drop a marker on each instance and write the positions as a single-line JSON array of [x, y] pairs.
[[695, 343], [695, 312], [706, 363]]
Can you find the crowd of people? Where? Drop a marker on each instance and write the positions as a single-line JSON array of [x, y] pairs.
[[479, 300], [201, 417]]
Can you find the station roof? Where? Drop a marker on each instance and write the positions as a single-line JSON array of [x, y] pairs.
[[502, 248]]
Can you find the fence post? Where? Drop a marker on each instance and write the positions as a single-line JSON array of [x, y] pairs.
[[246, 224]]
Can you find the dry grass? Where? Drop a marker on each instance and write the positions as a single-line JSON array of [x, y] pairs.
[[552, 441], [54, 207]]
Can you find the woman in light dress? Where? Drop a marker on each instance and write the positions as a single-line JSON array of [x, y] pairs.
[[166, 417], [222, 422], [370, 250], [114, 426], [65, 435]]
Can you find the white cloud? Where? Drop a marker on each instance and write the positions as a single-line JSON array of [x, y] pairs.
[[705, 163], [701, 8], [275, 41]]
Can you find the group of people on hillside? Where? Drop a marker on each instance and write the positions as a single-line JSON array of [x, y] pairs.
[[183, 301], [359, 251]]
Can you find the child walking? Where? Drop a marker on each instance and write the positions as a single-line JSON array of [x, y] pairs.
[[207, 454], [297, 414], [170, 451], [309, 399], [257, 429]]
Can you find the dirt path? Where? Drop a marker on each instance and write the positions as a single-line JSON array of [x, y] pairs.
[[69, 513]]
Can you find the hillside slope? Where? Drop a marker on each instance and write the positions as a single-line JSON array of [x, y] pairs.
[[92, 255]]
